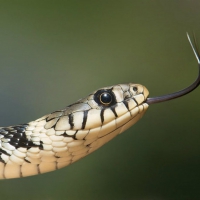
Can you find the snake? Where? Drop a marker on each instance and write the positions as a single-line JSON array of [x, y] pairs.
[[62, 137]]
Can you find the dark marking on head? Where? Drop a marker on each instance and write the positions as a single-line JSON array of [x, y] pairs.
[[26, 160], [126, 104], [71, 136], [53, 124], [85, 113], [135, 101], [71, 120], [102, 115], [74, 136], [113, 110]]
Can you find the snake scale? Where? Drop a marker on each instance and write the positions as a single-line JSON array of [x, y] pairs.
[[64, 136]]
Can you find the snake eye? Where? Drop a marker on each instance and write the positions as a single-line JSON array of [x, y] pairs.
[[105, 98]]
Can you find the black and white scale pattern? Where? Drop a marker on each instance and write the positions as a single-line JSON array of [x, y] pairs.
[[63, 137]]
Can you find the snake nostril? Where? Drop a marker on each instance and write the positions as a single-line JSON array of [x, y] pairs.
[[135, 89]]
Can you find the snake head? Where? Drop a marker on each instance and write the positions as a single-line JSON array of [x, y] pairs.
[[111, 105], [102, 115]]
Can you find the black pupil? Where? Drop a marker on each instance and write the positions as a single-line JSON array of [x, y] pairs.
[[105, 98]]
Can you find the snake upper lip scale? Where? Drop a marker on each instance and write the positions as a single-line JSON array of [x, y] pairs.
[[64, 136]]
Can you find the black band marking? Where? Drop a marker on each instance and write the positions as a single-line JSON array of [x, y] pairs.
[[113, 110], [71, 136], [85, 113], [27, 160], [71, 121], [4, 152], [126, 104], [17, 137], [74, 136], [102, 115], [135, 101]]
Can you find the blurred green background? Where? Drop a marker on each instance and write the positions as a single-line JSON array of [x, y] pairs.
[[54, 52]]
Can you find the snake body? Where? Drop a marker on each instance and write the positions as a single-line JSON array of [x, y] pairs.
[[64, 136]]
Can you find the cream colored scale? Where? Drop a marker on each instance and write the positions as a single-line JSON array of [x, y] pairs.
[[63, 137]]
